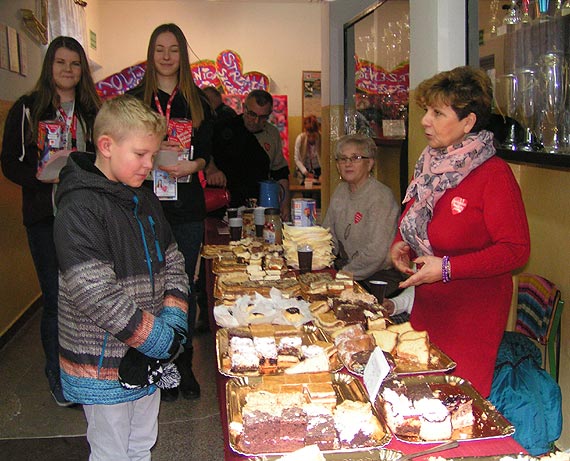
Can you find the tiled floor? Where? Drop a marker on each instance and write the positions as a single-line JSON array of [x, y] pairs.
[[32, 426]]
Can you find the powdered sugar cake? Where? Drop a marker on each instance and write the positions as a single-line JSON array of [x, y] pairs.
[[467, 415], [274, 349]]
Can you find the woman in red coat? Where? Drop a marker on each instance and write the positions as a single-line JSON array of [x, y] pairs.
[[464, 226]]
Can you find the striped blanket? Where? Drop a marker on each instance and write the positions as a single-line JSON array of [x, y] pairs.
[[537, 298]]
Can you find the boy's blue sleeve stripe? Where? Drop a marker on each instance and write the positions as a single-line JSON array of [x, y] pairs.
[[159, 340], [176, 318]]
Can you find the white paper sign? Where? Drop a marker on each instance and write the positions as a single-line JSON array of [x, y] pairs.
[[375, 372]]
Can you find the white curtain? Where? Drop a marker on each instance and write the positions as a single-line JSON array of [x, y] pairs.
[[67, 18]]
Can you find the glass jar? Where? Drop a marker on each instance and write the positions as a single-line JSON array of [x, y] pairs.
[[248, 229], [273, 228]]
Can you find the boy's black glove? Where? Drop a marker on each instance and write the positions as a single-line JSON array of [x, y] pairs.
[[137, 370]]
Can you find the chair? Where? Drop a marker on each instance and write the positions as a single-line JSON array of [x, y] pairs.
[[538, 317]]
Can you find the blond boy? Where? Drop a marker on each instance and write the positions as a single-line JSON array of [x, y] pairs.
[[123, 288]]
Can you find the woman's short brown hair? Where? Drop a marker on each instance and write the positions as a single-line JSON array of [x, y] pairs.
[[465, 89]]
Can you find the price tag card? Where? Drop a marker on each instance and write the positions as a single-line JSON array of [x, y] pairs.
[[375, 372]]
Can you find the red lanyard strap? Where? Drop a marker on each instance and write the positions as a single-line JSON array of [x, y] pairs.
[[168, 104], [70, 125]]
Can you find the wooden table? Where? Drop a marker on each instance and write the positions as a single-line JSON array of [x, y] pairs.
[[496, 446], [297, 190]]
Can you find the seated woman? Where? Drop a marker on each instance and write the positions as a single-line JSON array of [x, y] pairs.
[[362, 215]]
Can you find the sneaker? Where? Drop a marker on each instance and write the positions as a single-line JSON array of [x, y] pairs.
[[56, 390]]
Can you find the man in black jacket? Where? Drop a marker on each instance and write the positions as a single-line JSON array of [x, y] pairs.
[[246, 150]]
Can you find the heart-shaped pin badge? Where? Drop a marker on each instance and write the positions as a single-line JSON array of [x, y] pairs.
[[458, 204]]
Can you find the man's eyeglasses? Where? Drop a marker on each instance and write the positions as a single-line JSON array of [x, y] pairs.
[[255, 116], [355, 159]]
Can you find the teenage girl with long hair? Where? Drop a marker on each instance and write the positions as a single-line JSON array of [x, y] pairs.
[[169, 89], [64, 92]]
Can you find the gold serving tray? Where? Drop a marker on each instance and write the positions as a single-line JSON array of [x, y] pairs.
[[217, 251], [489, 423], [309, 333], [229, 291], [346, 387], [328, 293], [381, 454], [439, 362]]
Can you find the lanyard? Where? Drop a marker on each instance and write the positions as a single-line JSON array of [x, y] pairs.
[[168, 104], [70, 121]]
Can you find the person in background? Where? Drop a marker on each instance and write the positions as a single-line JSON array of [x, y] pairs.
[[464, 226], [222, 110], [400, 306], [308, 150], [247, 149], [64, 92], [123, 289], [169, 89], [362, 215]]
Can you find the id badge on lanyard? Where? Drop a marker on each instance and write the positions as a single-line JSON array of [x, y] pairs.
[[70, 120]]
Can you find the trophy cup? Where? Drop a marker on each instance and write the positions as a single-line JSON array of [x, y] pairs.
[[526, 102], [543, 7], [513, 15], [494, 22], [552, 74], [506, 103]]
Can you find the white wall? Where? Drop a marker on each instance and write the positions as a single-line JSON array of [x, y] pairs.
[[278, 39], [437, 36], [15, 85]]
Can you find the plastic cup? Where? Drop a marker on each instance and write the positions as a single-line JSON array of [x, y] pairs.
[[232, 213], [378, 289], [236, 225], [305, 256]]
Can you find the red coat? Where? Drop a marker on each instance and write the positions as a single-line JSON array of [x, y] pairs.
[[481, 224]]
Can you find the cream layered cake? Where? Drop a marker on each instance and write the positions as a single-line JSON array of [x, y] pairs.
[[417, 413], [284, 414]]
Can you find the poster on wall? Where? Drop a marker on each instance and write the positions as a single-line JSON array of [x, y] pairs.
[[312, 93], [13, 50], [3, 47]]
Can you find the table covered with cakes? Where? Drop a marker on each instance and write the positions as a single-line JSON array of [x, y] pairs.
[[300, 354]]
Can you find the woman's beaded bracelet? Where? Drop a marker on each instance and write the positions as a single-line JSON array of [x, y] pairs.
[[445, 269]]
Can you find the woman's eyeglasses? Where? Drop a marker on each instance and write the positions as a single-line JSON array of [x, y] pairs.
[[355, 159], [255, 116]]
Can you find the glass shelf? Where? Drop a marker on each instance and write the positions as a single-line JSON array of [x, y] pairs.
[[555, 161]]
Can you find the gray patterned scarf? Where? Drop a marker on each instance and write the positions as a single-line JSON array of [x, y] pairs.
[[436, 171]]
